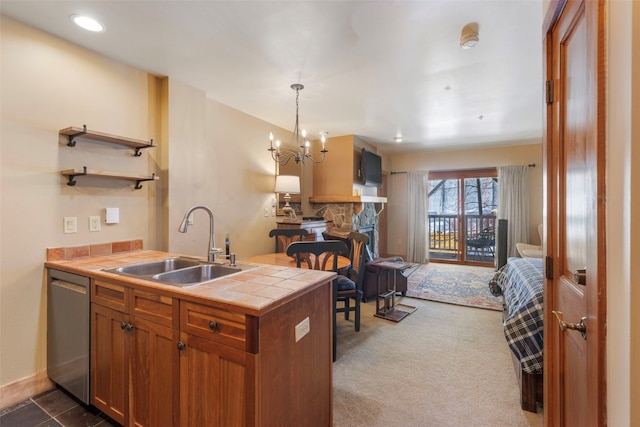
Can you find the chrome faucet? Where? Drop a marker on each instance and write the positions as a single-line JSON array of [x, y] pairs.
[[211, 250]]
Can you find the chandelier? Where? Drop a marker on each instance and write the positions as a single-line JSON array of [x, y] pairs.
[[302, 155]]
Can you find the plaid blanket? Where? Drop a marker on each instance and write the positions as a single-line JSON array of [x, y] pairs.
[[520, 281]]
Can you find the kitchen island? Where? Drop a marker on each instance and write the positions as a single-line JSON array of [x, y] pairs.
[[250, 349]]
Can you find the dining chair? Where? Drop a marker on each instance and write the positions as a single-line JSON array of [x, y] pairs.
[[358, 258], [327, 252], [285, 236]]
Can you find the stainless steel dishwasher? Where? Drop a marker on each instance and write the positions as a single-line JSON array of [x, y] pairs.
[[68, 332]]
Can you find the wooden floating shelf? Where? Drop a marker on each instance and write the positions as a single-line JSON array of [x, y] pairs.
[[73, 173], [72, 133]]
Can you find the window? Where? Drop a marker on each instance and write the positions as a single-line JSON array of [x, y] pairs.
[[462, 215]]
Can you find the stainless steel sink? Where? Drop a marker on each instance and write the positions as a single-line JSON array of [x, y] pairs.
[[192, 275], [156, 267], [181, 272]]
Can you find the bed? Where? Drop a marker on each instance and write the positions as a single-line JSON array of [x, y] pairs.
[[520, 283]]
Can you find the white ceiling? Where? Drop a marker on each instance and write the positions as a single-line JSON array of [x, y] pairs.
[[376, 69]]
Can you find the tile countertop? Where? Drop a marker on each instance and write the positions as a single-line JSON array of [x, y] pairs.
[[253, 292]]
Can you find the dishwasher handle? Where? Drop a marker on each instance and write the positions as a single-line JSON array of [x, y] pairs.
[[70, 286]]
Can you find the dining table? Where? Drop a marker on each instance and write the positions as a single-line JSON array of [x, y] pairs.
[[284, 260]]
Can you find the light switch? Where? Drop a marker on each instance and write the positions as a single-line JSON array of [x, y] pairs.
[[70, 224]]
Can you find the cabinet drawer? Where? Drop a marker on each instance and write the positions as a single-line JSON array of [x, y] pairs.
[[216, 324], [154, 307], [111, 295]]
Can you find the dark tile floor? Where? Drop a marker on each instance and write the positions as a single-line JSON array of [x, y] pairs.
[[53, 408]]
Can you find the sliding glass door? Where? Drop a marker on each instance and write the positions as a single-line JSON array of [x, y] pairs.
[[462, 216]]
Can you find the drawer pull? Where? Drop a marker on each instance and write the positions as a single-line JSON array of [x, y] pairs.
[[213, 325], [181, 345]]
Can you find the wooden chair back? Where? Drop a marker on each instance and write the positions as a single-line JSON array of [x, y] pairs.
[[358, 256], [324, 252], [285, 236]]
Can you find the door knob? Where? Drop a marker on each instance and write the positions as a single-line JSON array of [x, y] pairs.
[[580, 326], [580, 276]]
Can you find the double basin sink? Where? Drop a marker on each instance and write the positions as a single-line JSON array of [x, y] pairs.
[[182, 272]]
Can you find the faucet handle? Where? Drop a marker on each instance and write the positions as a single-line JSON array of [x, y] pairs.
[[212, 254]]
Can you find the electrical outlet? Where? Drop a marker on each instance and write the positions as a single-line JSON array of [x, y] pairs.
[[94, 223], [302, 329], [273, 211], [266, 211], [70, 224]]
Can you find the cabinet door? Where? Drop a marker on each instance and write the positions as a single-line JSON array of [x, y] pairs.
[[217, 384], [154, 374], [109, 361]]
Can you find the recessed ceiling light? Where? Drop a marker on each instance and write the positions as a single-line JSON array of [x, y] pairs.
[[87, 23], [397, 139]]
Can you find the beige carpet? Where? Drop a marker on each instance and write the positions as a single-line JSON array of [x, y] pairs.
[[443, 365]]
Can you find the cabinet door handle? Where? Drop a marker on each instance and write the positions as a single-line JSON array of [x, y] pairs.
[[181, 345], [213, 325], [129, 327]]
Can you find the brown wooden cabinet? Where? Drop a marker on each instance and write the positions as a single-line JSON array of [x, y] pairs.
[[158, 360], [109, 362], [134, 357], [217, 386], [218, 362]]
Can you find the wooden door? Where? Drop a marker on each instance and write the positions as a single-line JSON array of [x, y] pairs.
[[575, 207], [217, 384], [154, 374], [109, 362]]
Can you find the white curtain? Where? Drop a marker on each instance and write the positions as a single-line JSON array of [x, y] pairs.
[[417, 221], [513, 204]]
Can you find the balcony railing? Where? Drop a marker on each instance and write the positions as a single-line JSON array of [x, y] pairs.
[[446, 238]]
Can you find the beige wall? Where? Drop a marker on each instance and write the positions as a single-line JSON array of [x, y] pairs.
[[623, 212], [47, 85], [218, 157], [449, 160]]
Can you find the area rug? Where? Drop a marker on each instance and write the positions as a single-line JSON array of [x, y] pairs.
[[454, 284]]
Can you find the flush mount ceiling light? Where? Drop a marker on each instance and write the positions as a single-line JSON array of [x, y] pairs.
[[469, 36], [88, 23], [398, 139]]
